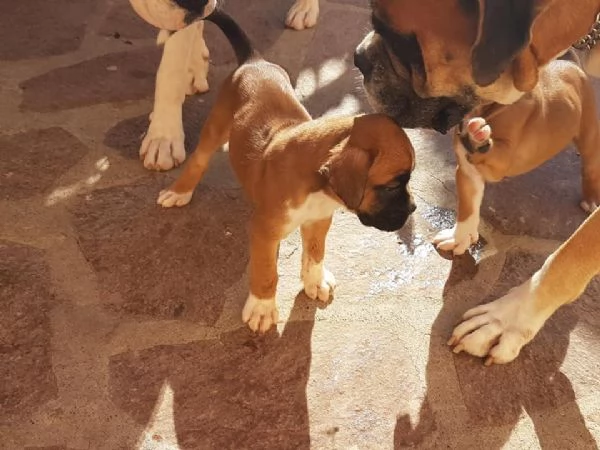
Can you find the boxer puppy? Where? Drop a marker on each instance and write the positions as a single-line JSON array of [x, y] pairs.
[[504, 141], [296, 171]]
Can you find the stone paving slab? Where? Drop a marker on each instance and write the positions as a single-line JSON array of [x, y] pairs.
[[120, 322]]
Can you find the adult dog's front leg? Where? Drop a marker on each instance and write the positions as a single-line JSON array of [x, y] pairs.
[[318, 281], [501, 328], [260, 311], [183, 70]]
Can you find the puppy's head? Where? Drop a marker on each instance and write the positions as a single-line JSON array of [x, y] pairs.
[[370, 172], [173, 15], [428, 62]]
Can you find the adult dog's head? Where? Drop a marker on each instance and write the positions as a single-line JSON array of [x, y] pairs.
[[427, 62], [172, 15], [369, 172]]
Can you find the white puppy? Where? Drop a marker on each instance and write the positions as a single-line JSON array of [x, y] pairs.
[[184, 68]]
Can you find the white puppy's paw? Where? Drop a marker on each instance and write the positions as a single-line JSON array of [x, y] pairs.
[[168, 198], [303, 14], [319, 282], [458, 238], [163, 145], [500, 329], [259, 314]]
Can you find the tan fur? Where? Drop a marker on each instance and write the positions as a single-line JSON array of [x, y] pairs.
[[559, 110], [294, 170]]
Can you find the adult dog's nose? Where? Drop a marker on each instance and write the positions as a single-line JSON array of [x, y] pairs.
[[362, 63]]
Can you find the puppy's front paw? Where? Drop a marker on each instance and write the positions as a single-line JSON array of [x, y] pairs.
[[260, 314], [303, 14], [163, 146], [168, 198], [476, 135], [319, 282], [501, 328], [458, 238]]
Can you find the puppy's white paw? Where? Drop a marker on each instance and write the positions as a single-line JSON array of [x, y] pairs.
[[589, 206], [303, 14], [458, 238], [260, 314], [501, 328], [319, 282], [163, 146], [479, 131], [168, 198]]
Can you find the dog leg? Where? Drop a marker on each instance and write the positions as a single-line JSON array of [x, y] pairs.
[[303, 14], [182, 70], [213, 135], [501, 328], [588, 144], [470, 185], [260, 311], [318, 281]]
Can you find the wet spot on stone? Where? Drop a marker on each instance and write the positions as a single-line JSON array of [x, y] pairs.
[[89, 83], [30, 162], [164, 263], [28, 381]]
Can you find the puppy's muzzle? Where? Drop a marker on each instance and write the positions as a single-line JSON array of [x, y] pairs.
[[388, 219]]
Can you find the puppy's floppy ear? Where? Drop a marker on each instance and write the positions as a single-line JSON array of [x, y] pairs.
[[347, 171], [504, 31]]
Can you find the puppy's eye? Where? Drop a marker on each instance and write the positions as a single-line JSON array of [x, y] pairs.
[[392, 187]]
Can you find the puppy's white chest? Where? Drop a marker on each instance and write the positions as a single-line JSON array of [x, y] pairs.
[[317, 206]]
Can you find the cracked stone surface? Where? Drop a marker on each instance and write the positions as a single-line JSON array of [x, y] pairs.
[[120, 322]]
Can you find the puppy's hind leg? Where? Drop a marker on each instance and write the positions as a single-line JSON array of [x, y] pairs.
[[214, 134], [318, 281], [588, 144]]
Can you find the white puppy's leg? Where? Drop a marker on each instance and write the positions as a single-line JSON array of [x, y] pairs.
[[303, 14], [182, 70]]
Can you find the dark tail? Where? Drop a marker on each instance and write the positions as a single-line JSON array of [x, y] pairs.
[[237, 38]]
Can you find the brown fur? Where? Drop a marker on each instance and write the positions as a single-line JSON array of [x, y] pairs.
[[281, 156]]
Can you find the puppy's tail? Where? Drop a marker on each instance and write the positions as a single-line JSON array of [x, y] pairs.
[[237, 38]]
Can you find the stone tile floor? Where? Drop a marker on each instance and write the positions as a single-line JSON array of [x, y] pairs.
[[120, 322]]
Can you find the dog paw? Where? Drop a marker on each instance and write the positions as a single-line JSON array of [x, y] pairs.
[[168, 198], [499, 329], [259, 314], [457, 239], [478, 132], [163, 146], [319, 282], [591, 193], [303, 14]]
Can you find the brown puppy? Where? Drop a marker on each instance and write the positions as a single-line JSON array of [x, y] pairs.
[[296, 171], [428, 62], [504, 141]]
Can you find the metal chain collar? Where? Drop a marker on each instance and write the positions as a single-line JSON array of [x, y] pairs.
[[589, 40]]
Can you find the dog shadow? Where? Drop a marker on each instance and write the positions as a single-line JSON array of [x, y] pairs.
[[238, 390], [495, 397]]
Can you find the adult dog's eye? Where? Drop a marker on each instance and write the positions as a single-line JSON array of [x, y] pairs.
[[392, 187]]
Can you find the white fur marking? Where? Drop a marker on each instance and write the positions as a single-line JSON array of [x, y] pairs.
[[260, 314], [167, 198], [317, 206], [318, 281]]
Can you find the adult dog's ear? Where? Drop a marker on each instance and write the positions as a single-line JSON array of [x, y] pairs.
[[346, 172], [504, 31]]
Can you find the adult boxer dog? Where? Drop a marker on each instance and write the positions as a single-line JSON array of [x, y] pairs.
[[296, 171], [184, 67], [427, 63]]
